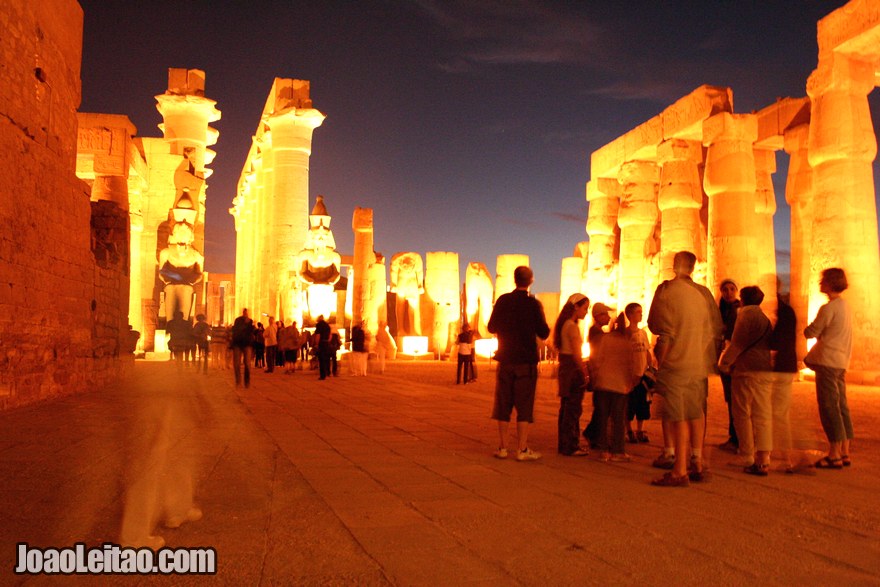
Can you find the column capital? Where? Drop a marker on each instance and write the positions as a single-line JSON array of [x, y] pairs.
[[638, 172], [730, 127], [603, 187], [841, 73], [679, 150]]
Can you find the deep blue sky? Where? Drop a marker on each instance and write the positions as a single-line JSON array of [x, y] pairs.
[[466, 125]]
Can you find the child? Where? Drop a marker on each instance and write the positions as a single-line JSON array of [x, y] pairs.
[[639, 404]]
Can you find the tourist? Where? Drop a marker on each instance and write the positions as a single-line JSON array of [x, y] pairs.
[[180, 333], [304, 338], [728, 305], [335, 347], [288, 344], [242, 342], [748, 359], [518, 320], [638, 404], [614, 372], [270, 337], [829, 358], [358, 350], [322, 346], [279, 352], [783, 341], [601, 318], [200, 332], [220, 344], [465, 348], [572, 375], [259, 346], [385, 346], [687, 322]]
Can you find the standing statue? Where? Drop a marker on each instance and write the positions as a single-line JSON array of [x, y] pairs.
[[180, 265], [407, 281], [478, 293], [318, 264], [188, 181]]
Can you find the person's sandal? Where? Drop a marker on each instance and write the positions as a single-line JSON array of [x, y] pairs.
[[844, 459], [756, 469], [829, 463], [671, 480]]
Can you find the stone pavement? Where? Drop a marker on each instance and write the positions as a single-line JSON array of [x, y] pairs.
[[389, 480]]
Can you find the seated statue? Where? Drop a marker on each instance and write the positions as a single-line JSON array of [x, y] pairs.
[[318, 264], [408, 282], [180, 268]]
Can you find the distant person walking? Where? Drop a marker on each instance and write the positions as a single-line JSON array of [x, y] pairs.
[[518, 321], [568, 340], [270, 339], [242, 347], [829, 358], [200, 332], [322, 336], [688, 326]]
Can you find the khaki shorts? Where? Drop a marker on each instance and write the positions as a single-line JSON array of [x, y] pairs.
[[684, 396]]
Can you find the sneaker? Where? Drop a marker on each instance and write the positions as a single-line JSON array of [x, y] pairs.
[[501, 453], [670, 480], [701, 476], [620, 458], [641, 436], [528, 455], [578, 453], [664, 461]]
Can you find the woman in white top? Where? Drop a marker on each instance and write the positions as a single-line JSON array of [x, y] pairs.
[[829, 358], [567, 339]]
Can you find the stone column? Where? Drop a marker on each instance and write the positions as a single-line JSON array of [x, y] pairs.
[[637, 219], [842, 147], [504, 268], [441, 285], [765, 208], [729, 181], [799, 195], [364, 257], [680, 200], [603, 196], [571, 278], [291, 147]]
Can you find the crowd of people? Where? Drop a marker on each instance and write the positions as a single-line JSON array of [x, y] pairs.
[[694, 336]]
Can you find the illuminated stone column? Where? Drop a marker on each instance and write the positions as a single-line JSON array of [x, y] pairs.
[[504, 268], [364, 257], [291, 148], [842, 147], [765, 208], [571, 277], [604, 198], [729, 181], [478, 292], [377, 299], [680, 200], [799, 195], [637, 219], [441, 285]]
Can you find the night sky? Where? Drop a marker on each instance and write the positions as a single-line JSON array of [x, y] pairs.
[[466, 126]]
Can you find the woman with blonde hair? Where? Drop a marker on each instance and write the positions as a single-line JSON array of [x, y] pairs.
[[567, 339]]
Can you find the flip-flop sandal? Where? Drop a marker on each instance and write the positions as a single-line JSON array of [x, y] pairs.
[[829, 463], [756, 469], [845, 460]]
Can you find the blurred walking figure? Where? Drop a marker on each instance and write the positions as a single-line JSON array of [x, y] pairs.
[[200, 332], [568, 340], [259, 346], [180, 333], [322, 337], [359, 350], [242, 347], [385, 346], [829, 358], [288, 343], [783, 341], [729, 305]]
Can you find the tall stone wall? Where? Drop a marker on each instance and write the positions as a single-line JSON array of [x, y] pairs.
[[59, 309]]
